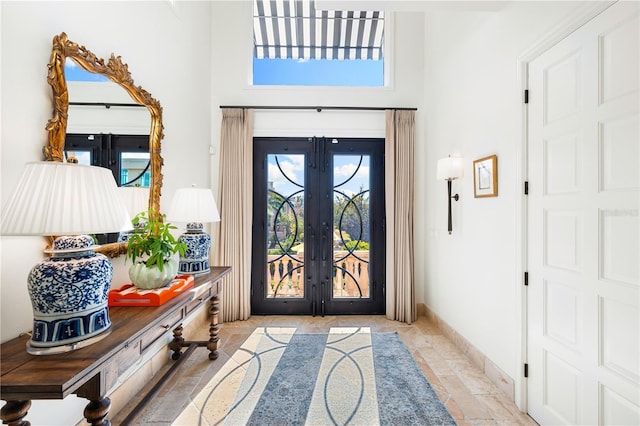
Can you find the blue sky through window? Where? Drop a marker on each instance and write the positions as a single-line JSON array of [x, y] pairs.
[[314, 72], [343, 168], [72, 72]]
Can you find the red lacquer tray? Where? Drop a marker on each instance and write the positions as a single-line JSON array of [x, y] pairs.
[[129, 295]]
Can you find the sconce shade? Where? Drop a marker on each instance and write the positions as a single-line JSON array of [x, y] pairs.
[[193, 205], [449, 168], [53, 198]]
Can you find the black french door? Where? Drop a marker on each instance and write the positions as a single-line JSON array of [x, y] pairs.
[[127, 156], [318, 226]]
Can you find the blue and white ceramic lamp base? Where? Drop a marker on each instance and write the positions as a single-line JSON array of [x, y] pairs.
[[69, 294], [195, 260]]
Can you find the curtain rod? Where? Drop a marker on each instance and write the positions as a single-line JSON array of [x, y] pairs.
[[319, 108], [105, 104]]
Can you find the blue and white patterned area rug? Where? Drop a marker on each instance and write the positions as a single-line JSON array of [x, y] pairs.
[[347, 377]]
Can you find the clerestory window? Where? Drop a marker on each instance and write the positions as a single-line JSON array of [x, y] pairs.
[[296, 44]]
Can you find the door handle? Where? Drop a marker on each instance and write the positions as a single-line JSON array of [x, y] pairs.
[[323, 156], [312, 242], [325, 236], [314, 155], [322, 293], [109, 142]]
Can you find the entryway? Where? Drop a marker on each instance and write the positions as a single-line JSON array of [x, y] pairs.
[[318, 226]]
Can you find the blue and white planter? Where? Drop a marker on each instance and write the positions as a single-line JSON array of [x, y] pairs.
[[69, 294]]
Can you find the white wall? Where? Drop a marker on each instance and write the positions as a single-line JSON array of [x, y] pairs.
[[167, 49], [473, 109]]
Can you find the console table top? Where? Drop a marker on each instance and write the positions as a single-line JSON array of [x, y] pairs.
[[26, 376]]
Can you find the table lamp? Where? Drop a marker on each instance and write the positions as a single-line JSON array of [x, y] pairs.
[[194, 206], [136, 198], [68, 290]]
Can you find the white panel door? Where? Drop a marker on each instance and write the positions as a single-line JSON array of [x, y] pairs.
[[583, 225]]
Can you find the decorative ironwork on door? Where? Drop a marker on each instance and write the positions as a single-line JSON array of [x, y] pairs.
[[285, 227], [318, 244], [351, 227]]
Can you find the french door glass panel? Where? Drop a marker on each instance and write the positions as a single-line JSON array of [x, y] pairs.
[[318, 215], [134, 169], [285, 226], [351, 234]]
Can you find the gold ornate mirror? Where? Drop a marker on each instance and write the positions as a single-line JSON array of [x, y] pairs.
[[118, 73]]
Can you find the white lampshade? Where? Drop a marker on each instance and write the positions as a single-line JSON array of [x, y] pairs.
[[193, 205], [136, 198], [449, 168], [54, 198]]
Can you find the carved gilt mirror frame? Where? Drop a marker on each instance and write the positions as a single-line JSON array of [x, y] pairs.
[[117, 72]]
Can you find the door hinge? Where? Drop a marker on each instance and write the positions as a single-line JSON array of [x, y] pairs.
[[526, 278], [526, 187], [526, 370], [526, 96]]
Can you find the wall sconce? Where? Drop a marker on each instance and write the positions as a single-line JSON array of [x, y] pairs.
[[449, 168]]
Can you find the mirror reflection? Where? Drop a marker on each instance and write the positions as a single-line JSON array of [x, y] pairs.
[[106, 129], [101, 117], [127, 156]]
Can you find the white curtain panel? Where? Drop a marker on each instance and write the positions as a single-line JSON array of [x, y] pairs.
[[232, 236], [399, 193]]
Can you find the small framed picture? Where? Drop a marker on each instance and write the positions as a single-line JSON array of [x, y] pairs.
[[485, 177]]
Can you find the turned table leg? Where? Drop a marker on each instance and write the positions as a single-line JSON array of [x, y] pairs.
[[177, 343], [13, 412], [96, 411], [98, 407], [214, 328]]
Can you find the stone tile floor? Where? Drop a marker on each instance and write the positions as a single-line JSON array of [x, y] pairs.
[[468, 395]]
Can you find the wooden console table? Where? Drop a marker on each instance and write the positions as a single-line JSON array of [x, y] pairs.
[[90, 372]]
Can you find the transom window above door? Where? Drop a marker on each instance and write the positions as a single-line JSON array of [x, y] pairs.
[[297, 44]]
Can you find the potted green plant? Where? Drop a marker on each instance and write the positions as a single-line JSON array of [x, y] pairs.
[[151, 247]]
